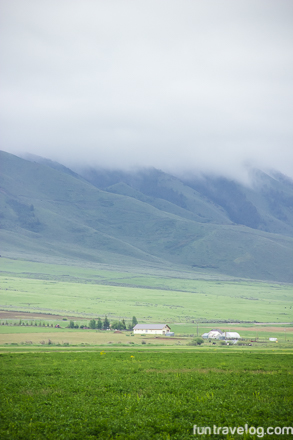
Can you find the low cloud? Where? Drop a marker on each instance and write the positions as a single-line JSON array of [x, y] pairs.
[[181, 86]]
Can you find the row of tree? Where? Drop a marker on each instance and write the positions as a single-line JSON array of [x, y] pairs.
[[114, 325], [26, 323]]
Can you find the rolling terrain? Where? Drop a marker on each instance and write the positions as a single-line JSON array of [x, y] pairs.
[[147, 219]]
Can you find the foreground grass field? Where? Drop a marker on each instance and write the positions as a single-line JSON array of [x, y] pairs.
[[143, 395]]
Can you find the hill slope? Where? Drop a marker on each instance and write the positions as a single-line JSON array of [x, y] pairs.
[[155, 220], [267, 204]]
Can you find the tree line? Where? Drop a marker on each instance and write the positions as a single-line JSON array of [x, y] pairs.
[[105, 324]]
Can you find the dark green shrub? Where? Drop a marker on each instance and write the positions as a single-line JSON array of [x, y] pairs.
[[196, 341]]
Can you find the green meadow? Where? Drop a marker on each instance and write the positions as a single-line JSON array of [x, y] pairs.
[[87, 384], [173, 297], [144, 395], [282, 332]]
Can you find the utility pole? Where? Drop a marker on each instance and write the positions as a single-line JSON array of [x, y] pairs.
[[197, 327]]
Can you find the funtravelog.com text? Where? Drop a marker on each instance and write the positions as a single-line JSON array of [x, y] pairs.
[[241, 430]]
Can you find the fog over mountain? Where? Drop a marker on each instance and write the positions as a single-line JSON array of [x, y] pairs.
[[148, 217], [180, 86]]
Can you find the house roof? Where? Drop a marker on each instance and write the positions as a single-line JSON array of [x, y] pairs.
[[214, 333], [217, 330], [150, 326]]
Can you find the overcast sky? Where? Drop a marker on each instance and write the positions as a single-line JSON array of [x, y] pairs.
[[179, 85]]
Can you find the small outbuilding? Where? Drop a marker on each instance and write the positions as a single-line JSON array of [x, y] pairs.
[[214, 334], [151, 329], [218, 334], [232, 335]]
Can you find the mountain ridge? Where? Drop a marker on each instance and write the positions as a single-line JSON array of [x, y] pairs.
[[257, 206], [159, 220]]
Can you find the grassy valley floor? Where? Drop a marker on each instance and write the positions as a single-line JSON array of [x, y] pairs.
[[62, 383], [24, 336], [166, 296]]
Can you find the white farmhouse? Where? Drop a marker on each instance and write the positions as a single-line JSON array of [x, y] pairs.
[[151, 329]]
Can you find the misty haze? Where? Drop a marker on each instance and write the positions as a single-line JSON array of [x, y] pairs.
[[194, 87]]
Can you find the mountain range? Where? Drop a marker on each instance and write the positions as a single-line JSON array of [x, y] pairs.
[[147, 218]]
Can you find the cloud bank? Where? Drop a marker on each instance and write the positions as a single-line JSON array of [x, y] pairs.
[[182, 86]]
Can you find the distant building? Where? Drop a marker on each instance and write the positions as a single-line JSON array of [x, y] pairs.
[[214, 334], [232, 335], [218, 334], [151, 329]]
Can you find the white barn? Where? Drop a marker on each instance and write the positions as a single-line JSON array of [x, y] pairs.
[[151, 329], [232, 335], [214, 334], [218, 334]]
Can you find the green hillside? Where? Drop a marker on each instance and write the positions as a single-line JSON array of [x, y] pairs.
[[265, 204], [50, 213]]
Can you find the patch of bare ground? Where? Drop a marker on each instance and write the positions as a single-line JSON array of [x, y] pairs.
[[32, 315], [165, 338]]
